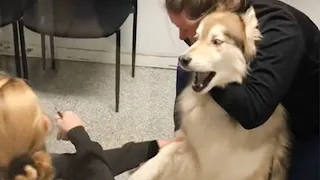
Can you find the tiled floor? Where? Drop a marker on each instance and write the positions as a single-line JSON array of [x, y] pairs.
[[146, 101]]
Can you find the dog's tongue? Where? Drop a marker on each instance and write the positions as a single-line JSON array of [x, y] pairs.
[[198, 81], [200, 78]]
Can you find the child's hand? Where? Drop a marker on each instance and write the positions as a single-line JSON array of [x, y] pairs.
[[68, 121], [163, 143]]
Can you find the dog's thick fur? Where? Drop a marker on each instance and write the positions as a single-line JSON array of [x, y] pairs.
[[215, 146]]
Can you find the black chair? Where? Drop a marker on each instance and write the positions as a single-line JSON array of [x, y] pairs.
[[82, 19], [11, 12]]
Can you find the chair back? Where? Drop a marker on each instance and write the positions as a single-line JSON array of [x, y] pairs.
[[12, 10]]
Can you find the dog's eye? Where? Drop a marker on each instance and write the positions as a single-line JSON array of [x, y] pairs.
[[217, 41]]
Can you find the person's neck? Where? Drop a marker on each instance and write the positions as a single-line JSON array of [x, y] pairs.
[[3, 165], [237, 4]]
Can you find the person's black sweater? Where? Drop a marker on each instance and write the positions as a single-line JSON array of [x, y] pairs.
[[285, 70], [91, 162]]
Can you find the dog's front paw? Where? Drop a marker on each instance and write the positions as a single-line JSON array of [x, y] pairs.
[[151, 169], [148, 171], [141, 175]]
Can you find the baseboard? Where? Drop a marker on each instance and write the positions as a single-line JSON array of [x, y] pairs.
[[77, 54]]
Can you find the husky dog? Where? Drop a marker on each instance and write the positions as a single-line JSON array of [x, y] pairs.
[[215, 146]]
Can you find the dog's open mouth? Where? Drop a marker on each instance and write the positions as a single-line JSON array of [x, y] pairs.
[[202, 79]]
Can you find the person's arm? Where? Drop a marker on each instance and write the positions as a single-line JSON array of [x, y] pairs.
[[88, 162], [130, 155], [91, 158], [117, 160], [272, 71]]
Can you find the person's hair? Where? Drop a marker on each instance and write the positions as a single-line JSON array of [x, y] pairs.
[[195, 9], [23, 131]]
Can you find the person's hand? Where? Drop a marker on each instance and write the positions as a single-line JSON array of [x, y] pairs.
[[68, 121], [163, 143]]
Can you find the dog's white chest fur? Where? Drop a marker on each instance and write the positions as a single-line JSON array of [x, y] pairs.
[[216, 147], [221, 145]]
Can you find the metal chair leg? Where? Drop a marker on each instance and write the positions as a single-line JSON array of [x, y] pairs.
[[23, 50], [16, 48], [43, 50], [53, 60], [134, 40], [118, 48]]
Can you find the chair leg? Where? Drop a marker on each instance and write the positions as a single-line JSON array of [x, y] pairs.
[[23, 50], [53, 60], [118, 48], [43, 50], [16, 48], [134, 41]]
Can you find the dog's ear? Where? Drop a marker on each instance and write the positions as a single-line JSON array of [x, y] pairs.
[[252, 32]]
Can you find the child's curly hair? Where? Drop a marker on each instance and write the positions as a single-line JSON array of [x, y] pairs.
[[23, 129], [31, 167]]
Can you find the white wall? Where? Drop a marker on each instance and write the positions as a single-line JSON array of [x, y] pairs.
[[157, 39], [309, 7]]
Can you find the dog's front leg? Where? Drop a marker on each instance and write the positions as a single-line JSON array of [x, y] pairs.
[[156, 166]]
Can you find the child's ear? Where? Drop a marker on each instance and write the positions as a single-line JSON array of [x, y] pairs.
[[47, 123]]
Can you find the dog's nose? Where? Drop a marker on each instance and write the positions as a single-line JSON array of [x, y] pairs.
[[184, 60]]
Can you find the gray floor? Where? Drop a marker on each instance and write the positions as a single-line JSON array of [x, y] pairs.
[[146, 101]]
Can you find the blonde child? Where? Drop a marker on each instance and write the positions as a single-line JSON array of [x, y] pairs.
[[24, 127]]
